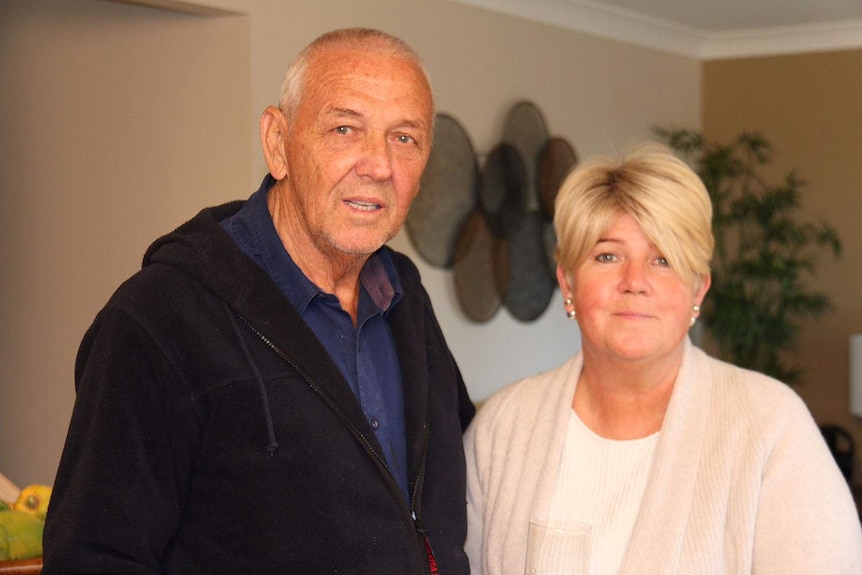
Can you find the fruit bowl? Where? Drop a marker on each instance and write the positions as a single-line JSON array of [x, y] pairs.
[[21, 567]]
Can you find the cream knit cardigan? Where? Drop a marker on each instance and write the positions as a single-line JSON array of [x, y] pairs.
[[742, 481]]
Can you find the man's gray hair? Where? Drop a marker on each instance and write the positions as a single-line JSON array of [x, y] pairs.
[[368, 39]]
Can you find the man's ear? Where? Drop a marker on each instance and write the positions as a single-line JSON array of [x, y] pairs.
[[273, 138]]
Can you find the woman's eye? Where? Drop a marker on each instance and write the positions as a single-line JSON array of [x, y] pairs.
[[605, 257], [662, 261]]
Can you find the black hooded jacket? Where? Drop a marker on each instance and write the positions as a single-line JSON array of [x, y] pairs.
[[213, 434]]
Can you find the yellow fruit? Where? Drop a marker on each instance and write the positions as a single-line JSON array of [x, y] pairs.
[[20, 535], [34, 500]]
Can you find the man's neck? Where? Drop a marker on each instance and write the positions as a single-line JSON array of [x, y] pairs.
[[332, 271]]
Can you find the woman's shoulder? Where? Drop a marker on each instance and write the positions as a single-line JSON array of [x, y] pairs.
[[753, 382], [527, 398], [764, 397]]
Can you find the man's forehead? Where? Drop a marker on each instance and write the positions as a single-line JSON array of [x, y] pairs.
[[342, 62], [357, 94]]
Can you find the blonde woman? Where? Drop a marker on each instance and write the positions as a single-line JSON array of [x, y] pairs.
[[682, 464]]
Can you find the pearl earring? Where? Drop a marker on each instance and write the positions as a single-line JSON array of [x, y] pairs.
[[696, 309], [569, 313]]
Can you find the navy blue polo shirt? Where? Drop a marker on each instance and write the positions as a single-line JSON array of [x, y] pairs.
[[365, 354]]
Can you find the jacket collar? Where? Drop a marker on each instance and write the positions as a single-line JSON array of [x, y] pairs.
[[203, 249]]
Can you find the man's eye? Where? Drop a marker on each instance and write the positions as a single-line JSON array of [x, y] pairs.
[[343, 129], [405, 139]]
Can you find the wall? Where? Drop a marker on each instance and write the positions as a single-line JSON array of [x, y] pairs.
[[808, 106], [160, 125], [118, 123], [599, 94]]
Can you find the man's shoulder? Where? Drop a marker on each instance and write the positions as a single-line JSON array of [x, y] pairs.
[[188, 259]]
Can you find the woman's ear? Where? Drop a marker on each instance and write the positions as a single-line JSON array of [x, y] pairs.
[[705, 282], [273, 139], [564, 282]]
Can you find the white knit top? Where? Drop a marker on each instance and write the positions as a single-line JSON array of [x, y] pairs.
[[741, 482], [601, 482]]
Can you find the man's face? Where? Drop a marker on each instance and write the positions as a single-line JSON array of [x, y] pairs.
[[356, 151]]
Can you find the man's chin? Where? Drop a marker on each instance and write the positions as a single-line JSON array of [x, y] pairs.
[[364, 245]]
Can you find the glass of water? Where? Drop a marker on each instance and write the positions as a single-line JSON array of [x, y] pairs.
[[558, 547]]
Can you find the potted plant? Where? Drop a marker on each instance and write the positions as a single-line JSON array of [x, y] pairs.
[[762, 253]]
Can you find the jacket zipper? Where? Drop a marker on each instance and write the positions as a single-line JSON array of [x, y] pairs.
[[418, 524], [415, 517]]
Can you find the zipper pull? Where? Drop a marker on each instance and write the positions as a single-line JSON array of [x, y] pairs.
[[433, 569]]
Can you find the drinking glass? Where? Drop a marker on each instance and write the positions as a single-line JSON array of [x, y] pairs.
[[558, 547]]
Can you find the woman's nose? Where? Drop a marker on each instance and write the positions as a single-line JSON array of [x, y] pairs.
[[635, 277]]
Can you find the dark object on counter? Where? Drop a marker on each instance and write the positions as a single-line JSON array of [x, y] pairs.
[[842, 446]]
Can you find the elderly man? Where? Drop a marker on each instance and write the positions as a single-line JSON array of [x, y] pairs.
[[272, 393]]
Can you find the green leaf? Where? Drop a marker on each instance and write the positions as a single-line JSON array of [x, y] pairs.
[[757, 300]]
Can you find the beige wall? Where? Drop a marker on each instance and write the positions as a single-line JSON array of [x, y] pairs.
[[121, 121], [599, 94], [117, 124], [809, 107]]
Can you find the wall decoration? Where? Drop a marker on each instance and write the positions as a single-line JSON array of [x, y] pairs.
[[493, 224], [448, 193], [475, 268]]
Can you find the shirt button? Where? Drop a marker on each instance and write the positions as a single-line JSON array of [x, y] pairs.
[[375, 423]]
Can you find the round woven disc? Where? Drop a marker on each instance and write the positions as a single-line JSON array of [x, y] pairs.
[[503, 190], [530, 284], [448, 192], [473, 271], [525, 129], [549, 241], [557, 159]]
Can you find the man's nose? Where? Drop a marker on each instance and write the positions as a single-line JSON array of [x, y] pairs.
[[375, 161]]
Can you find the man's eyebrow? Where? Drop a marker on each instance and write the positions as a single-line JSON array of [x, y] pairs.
[[415, 124], [337, 112], [342, 112]]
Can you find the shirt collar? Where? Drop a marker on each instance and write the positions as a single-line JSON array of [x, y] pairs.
[[255, 234]]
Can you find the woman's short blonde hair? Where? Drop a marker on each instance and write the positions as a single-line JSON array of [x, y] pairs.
[[666, 198]]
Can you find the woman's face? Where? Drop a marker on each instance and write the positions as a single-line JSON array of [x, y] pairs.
[[630, 304]]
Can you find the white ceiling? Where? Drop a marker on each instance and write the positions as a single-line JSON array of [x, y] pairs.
[[703, 29]]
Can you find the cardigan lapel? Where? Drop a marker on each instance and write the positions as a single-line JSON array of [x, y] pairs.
[[555, 422], [536, 444], [656, 541]]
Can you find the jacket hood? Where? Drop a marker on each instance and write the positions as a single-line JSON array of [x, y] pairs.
[[203, 250]]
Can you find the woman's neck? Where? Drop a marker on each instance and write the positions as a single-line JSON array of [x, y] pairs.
[[623, 402]]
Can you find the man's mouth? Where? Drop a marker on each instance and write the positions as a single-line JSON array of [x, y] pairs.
[[363, 206]]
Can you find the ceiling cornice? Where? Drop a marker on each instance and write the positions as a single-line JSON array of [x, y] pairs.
[[192, 7], [632, 28]]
